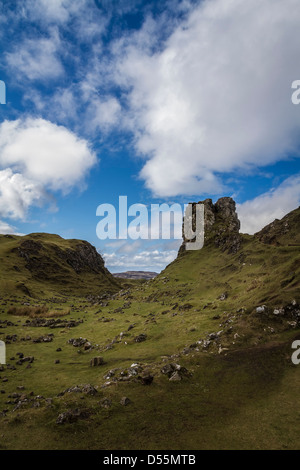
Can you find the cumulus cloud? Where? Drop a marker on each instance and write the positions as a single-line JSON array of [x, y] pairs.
[[217, 97], [274, 204], [17, 194], [45, 152], [37, 156], [155, 260], [6, 228]]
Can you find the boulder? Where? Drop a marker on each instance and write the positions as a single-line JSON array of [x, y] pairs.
[[140, 338], [125, 401], [97, 361]]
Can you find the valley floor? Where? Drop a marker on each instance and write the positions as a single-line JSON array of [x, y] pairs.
[[243, 398], [197, 358]]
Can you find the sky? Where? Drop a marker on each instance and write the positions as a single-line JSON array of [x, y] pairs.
[[168, 101]]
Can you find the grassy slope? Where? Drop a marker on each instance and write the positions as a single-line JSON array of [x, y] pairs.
[[16, 279], [245, 397]]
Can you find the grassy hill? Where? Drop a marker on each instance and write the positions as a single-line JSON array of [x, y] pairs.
[[202, 352], [39, 265]]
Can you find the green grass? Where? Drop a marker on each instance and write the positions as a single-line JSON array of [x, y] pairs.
[[245, 397], [49, 273]]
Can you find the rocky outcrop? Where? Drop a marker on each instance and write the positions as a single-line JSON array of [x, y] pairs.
[[84, 257], [41, 263], [282, 232], [221, 225]]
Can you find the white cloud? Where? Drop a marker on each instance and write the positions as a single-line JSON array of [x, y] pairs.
[[274, 204], [17, 194], [46, 153], [36, 58], [154, 260], [129, 248], [81, 17], [58, 11], [103, 114], [37, 156], [217, 98], [50, 11], [6, 228]]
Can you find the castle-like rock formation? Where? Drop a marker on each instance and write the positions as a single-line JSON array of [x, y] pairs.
[[221, 225]]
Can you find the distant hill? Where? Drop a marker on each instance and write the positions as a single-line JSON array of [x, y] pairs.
[[42, 264], [136, 275]]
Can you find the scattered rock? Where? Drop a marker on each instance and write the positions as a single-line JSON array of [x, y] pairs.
[[173, 371], [175, 377], [261, 309], [79, 342], [223, 296], [97, 361], [29, 359], [86, 388], [43, 339], [72, 416], [105, 403], [125, 401], [140, 338], [278, 311], [146, 379], [89, 390]]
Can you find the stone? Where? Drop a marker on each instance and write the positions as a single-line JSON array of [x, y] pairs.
[[78, 342], [223, 296], [105, 403], [168, 369], [125, 401], [89, 390], [72, 416], [146, 379], [175, 377], [261, 309], [278, 311], [110, 374], [140, 338], [97, 361]]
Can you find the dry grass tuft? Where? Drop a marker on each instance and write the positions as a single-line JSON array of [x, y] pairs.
[[37, 311]]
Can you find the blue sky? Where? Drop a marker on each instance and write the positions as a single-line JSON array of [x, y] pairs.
[[161, 101]]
